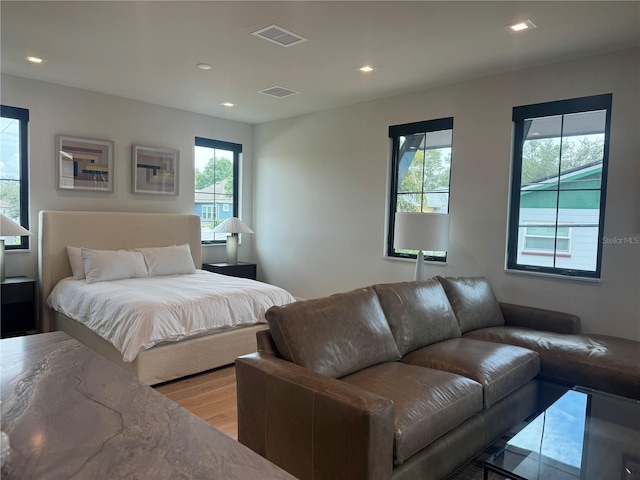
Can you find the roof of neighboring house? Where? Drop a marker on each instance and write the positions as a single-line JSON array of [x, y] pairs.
[[213, 194], [567, 176], [578, 188]]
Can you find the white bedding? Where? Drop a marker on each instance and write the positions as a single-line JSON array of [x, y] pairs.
[[138, 313]]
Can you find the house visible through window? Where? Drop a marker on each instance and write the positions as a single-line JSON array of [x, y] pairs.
[[420, 173], [559, 186], [14, 168], [216, 184], [546, 239]]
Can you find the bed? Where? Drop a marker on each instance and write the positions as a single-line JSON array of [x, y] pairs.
[[129, 230]]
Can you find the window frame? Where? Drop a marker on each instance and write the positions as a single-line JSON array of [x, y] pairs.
[[395, 132], [22, 115], [236, 148], [547, 109]]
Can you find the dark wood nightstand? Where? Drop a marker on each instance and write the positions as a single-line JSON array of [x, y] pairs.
[[19, 312], [241, 269]]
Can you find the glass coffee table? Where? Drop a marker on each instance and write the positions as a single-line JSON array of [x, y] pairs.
[[585, 434]]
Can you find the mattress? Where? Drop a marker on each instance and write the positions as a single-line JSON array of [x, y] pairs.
[[137, 313]]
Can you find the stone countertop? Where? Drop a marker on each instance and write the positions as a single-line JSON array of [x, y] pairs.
[[71, 414]]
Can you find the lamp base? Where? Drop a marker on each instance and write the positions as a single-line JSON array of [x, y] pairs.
[[232, 249], [420, 272]]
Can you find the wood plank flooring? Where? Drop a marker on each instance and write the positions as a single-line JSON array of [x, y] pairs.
[[211, 396]]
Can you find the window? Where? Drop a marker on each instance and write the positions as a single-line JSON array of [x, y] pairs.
[[208, 212], [546, 239], [420, 172], [216, 184], [14, 168], [558, 187]]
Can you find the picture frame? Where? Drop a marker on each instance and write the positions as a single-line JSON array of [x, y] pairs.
[[84, 164], [155, 170]]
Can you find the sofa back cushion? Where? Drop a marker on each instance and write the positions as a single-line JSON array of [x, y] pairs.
[[335, 335], [473, 302], [419, 313]]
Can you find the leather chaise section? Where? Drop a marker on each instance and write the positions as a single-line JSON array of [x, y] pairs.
[[610, 364], [539, 318]]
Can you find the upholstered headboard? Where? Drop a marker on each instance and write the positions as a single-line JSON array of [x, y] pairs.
[[105, 231]]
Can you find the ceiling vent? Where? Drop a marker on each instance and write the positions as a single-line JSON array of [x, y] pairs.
[[279, 92], [279, 35]]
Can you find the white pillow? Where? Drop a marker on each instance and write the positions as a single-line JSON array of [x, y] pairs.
[[173, 260], [76, 262], [105, 265]]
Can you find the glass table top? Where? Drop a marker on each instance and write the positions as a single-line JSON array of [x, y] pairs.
[[585, 434]]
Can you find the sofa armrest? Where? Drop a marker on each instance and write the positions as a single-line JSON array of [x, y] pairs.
[[266, 344], [539, 319], [314, 426]]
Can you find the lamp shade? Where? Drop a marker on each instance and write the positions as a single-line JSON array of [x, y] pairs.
[[9, 228], [421, 231], [232, 225]]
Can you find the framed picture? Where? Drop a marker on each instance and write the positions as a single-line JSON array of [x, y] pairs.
[[155, 170], [84, 164]]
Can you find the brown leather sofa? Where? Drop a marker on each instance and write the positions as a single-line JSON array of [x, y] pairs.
[[410, 380]]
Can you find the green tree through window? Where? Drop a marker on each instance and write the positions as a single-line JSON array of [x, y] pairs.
[[558, 186], [421, 166], [216, 166]]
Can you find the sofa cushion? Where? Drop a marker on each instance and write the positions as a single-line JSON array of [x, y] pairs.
[[335, 335], [419, 313], [606, 363], [500, 369], [473, 302], [428, 403]]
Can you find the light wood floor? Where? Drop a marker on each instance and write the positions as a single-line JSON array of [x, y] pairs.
[[211, 396]]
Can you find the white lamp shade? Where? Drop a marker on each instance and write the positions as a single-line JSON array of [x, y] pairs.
[[9, 228], [232, 225], [421, 231]]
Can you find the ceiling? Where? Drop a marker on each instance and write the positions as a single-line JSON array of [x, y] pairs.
[[149, 50]]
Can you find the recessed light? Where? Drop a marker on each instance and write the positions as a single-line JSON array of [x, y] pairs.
[[227, 104], [367, 68], [35, 59], [204, 66], [520, 26]]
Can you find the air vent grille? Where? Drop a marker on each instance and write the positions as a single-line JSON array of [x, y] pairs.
[[279, 35], [279, 92]]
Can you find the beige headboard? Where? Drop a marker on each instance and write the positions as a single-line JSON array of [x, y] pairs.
[[105, 231]]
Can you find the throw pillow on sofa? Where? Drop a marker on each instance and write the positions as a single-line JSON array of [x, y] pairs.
[[473, 302], [335, 335]]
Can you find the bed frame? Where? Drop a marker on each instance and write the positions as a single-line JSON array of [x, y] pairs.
[[122, 230]]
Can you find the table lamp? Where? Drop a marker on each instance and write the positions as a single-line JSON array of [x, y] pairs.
[[421, 231], [233, 227], [8, 228]]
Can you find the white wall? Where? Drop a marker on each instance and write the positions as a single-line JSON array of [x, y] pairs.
[[55, 109], [321, 183]]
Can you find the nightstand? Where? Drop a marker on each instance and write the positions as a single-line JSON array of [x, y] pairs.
[[19, 313], [241, 269]]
